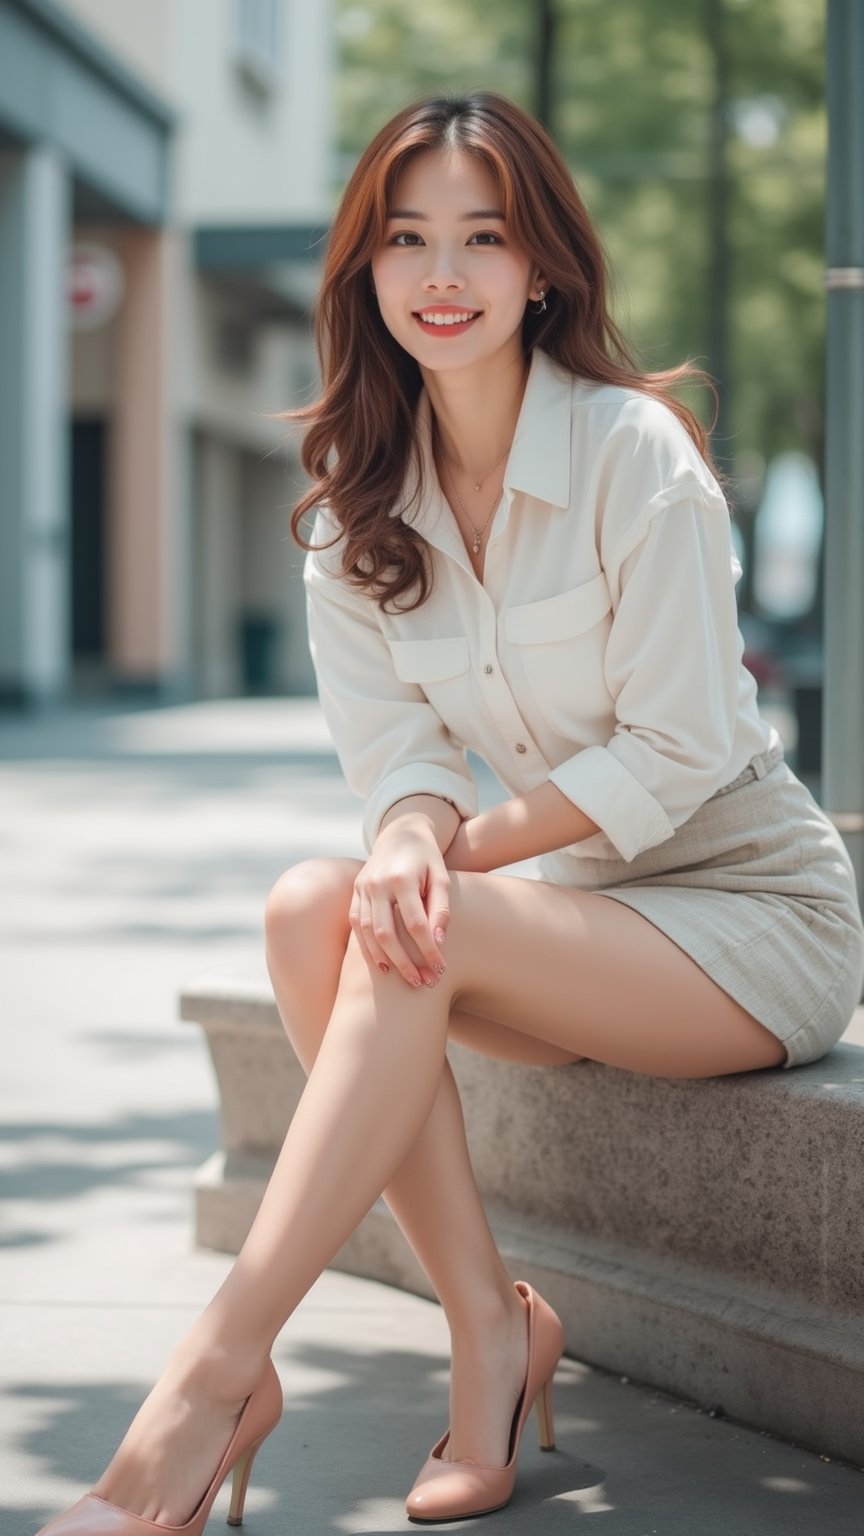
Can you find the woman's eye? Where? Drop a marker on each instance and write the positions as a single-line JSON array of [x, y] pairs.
[[410, 234]]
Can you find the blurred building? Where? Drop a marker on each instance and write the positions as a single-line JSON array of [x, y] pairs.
[[164, 181]]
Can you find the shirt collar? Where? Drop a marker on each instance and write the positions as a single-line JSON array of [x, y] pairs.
[[539, 459], [539, 462]]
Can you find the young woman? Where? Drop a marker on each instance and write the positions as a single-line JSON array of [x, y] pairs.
[[520, 547]]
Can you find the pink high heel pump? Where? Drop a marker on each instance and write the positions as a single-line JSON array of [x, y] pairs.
[[94, 1516], [455, 1490]]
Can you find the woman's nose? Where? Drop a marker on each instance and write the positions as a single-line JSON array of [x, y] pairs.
[[443, 273]]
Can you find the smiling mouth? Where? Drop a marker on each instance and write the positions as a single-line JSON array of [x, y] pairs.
[[447, 325]]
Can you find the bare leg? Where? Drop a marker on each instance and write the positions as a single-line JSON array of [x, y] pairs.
[[540, 959], [433, 1196], [370, 1091], [587, 974]]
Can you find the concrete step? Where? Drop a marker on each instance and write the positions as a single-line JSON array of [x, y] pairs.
[[702, 1236]]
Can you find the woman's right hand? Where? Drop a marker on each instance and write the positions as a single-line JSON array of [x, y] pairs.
[[402, 894]]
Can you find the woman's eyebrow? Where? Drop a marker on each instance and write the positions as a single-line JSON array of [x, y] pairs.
[[412, 213]]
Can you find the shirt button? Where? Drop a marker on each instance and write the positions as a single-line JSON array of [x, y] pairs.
[[488, 670], [521, 747]]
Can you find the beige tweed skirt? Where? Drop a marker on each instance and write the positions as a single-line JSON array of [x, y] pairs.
[[759, 889]]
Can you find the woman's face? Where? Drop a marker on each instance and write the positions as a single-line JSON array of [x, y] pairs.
[[445, 252]]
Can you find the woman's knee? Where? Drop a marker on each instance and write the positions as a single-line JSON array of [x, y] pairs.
[[313, 894]]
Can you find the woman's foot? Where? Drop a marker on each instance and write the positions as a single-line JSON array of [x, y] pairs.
[[176, 1440], [487, 1375], [448, 1486]]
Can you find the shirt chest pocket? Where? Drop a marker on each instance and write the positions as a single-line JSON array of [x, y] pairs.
[[429, 661], [558, 649], [440, 667]]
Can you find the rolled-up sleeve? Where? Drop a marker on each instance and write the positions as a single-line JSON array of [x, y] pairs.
[[671, 667], [389, 740]]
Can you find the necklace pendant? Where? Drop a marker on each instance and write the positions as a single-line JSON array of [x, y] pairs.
[[476, 543]]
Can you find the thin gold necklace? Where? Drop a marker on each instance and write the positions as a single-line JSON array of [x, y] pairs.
[[477, 532], [477, 483]]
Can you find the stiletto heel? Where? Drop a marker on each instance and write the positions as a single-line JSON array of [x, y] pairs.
[[240, 1482], [545, 1417], [454, 1490], [94, 1516]]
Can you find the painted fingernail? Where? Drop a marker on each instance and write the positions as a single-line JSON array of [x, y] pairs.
[[415, 981], [440, 969], [430, 981], [440, 935]]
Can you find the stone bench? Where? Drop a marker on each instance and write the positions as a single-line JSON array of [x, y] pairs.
[[705, 1237]]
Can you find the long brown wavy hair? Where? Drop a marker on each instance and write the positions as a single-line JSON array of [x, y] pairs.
[[371, 384]]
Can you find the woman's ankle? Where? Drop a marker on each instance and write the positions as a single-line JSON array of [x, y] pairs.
[[217, 1370], [483, 1314]]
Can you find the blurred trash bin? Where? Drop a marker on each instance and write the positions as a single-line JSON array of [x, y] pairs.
[[808, 711], [259, 635]]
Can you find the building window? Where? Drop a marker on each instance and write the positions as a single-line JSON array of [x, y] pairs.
[[258, 41]]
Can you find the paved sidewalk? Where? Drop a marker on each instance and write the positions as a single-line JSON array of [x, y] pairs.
[[137, 848]]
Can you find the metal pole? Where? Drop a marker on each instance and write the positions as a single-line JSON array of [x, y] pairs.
[[546, 20], [719, 254], [843, 714]]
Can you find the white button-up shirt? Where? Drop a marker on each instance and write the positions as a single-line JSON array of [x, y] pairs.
[[601, 650]]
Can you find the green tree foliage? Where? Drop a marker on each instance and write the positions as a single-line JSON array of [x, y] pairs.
[[633, 91]]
